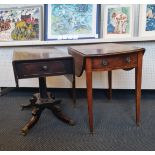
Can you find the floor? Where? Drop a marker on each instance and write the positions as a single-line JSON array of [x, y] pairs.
[[114, 122]]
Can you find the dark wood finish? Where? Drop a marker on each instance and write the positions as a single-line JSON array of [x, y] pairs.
[[110, 85], [29, 63], [107, 57], [46, 67], [39, 102]]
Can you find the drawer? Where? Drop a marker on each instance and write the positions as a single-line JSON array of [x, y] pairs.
[[43, 68], [115, 62]]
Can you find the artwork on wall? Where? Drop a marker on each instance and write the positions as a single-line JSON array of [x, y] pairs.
[[20, 24], [118, 21], [71, 21], [147, 20]]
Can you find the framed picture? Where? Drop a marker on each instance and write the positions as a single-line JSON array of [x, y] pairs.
[[118, 21], [71, 21], [147, 20], [20, 24]]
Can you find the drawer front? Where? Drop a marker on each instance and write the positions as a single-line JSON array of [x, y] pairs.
[[44, 68], [115, 62]]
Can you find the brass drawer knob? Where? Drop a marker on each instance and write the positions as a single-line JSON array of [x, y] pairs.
[[44, 68], [128, 59], [104, 62]]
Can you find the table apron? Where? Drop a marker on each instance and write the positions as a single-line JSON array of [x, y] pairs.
[[124, 61], [43, 68]]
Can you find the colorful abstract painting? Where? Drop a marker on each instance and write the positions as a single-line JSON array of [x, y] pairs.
[[118, 20], [71, 21], [20, 24], [147, 20], [150, 17]]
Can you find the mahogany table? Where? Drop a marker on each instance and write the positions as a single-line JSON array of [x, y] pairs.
[[40, 63], [107, 57]]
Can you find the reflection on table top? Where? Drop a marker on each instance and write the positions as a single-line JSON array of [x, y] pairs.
[[103, 49], [37, 53]]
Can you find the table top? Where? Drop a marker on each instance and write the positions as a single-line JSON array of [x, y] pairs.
[[103, 49], [40, 53]]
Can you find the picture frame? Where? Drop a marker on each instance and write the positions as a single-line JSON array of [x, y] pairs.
[[147, 20], [21, 24], [118, 21], [71, 21]]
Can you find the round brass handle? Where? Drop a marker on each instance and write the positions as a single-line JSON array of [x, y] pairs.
[[128, 60], [104, 62], [44, 68]]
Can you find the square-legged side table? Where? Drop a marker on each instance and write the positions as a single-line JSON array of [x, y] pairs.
[[107, 57]]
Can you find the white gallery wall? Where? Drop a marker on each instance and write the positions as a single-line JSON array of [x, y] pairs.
[[121, 79]]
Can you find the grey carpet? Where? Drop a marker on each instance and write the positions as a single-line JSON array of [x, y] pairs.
[[114, 123]]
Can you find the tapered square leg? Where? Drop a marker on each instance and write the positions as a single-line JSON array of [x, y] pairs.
[[109, 85], [138, 80], [89, 93]]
